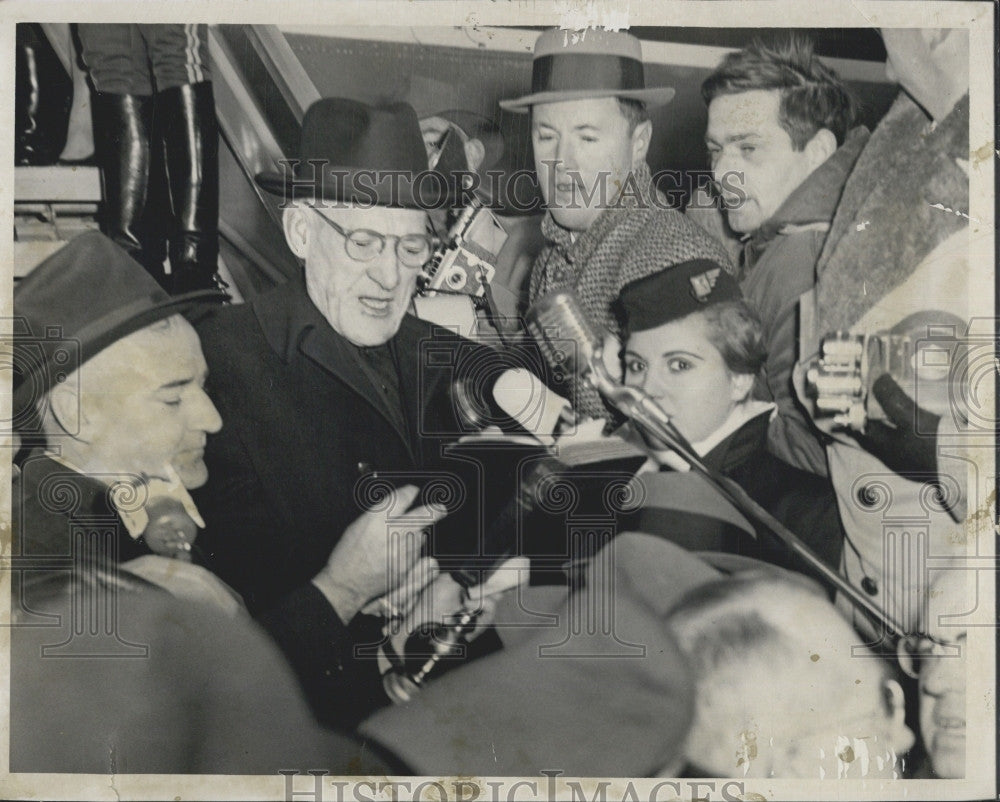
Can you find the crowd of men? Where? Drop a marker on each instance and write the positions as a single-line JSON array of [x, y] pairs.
[[248, 497]]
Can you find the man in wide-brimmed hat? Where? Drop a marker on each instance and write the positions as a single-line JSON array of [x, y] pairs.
[[591, 132], [323, 381]]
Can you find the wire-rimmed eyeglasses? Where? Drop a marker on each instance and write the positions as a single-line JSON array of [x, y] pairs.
[[364, 245]]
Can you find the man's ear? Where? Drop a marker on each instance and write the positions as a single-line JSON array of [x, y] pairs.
[[296, 228], [740, 385], [475, 152], [66, 409], [821, 147], [641, 137]]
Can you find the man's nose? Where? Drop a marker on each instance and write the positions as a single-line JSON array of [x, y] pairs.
[[385, 269], [204, 416], [724, 165], [565, 155], [941, 675]]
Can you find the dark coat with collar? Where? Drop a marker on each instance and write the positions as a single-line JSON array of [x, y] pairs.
[[683, 509], [779, 264], [304, 432]]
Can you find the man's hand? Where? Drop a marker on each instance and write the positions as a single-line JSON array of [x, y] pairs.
[[375, 553], [442, 599], [901, 446]]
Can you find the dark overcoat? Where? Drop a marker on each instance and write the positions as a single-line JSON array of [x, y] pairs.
[[306, 436]]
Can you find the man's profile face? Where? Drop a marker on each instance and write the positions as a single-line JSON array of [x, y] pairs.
[[363, 301], [810, 704], [752, 157], [583, 152], [144, 405], [942, 679]]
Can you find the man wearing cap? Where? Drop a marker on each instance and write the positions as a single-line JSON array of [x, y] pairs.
[[322, 382], [781, 145], [109, 401], [591, 133]]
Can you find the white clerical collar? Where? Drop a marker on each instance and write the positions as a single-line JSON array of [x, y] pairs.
[[135, 518]]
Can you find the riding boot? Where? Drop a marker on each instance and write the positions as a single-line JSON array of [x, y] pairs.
[[191, 148], [122, 131], [157, 218]]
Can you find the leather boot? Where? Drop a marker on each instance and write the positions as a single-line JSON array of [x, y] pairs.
[[191, 148], [157, 217], [42, 97], [122, 135]]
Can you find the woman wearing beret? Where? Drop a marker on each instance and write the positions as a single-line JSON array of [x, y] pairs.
[[696, 348]]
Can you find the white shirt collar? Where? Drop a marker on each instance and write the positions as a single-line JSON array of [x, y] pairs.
[[134, 515]]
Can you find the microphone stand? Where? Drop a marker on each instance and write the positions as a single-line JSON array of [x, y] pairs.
[[652, 420]]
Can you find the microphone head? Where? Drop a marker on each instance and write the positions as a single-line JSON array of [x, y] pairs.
[[560, 326], [526, 400], [170, 531]]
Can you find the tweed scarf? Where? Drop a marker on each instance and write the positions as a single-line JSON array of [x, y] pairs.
[[637, 236]]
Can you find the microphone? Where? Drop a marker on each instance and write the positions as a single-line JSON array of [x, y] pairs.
[[570, 342], [556, 319], [522, 396], [170, 531]]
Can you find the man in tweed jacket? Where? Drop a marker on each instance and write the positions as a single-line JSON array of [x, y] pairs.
[[590, 133]]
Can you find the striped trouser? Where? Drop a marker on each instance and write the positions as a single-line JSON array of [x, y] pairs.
[[134, 59]]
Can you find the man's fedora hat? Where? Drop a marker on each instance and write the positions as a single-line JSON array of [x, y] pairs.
[[592, 63], [352, 152], [86, 296]]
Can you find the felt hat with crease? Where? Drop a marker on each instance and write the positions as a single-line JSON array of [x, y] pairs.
[[77, 302], [353, 152], [571, 65]]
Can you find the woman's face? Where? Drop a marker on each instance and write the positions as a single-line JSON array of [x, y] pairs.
[[685, 373]]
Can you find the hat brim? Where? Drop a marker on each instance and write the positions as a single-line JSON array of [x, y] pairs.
[[107, 330], [346, 186], [657, 96]]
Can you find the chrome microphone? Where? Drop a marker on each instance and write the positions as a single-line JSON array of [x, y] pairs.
[[171, 532], [571, 343], [557, 317]]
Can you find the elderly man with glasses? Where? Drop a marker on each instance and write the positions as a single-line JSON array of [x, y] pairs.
[[323, 381]]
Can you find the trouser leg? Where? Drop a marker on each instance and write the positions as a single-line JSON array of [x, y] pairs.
[[116, 58], [178, 54]]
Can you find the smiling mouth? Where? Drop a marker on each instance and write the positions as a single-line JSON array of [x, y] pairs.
[[376, 306], [950, 725], [197, 452]]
